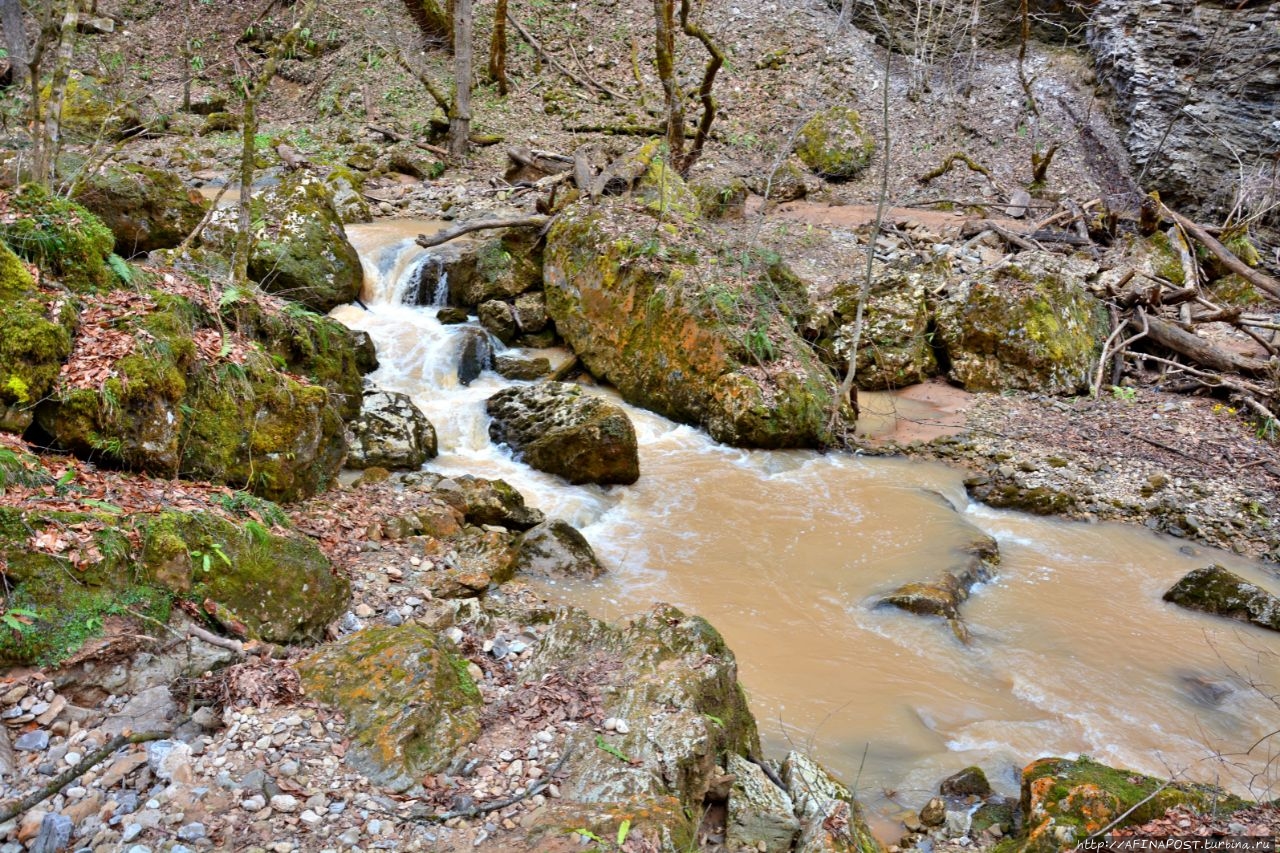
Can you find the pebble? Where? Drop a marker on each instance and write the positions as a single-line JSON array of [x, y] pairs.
[[131, 832], [256, 803], [363, 611], [310, 818], [33, 741], [284, 803], [72, 758], [192, 831]]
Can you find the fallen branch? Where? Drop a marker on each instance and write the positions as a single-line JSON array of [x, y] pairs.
[[543, 161], [1195, 348], [557, 64], [1107, 352], [62, 780], [428, 241], [400, 137], [1258, 279], [476, 811]]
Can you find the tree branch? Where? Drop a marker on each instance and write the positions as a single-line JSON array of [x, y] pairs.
[[428, 241]]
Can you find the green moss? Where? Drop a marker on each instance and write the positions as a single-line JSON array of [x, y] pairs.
[[835, 144], [1167, 261], [61, 237]]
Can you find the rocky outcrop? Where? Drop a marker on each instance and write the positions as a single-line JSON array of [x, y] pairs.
[[303, 254], [1180, 69], [1215, 590], [554, 549], [831, 820], [409, 702], [635, 303], [835, 144], [390, 432], [146, 209], [1029, 324], [1064, 801], [555, 427]]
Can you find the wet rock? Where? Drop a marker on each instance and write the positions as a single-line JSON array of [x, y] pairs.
[[409, 703], [475, 355], [1215, 590], [555, 427], [556, 548], [1063, 801], [970, 781], [390, 432], [452, 316], [1030, 324], [648, 331], [835, 144], [531, 312], [146, 209], [934, 812], [831, 819], [499, 267], [489, 502], [528, 369], [499, 318], [943, 595], [760, 813]]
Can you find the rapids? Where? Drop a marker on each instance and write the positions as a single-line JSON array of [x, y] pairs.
[[1074, 652]]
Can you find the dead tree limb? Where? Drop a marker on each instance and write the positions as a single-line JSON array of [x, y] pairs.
[[1258, 279], [1184, 343], [557, 64], [66, 777], [543, 161], [428, 241], [950, 163], [396, 136]]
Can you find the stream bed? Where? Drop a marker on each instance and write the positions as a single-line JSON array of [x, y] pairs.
[[1074, 651]]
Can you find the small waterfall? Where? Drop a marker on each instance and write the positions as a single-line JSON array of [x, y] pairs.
[[425, 283]]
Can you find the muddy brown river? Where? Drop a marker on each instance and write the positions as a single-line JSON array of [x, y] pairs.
[[1074, 652]]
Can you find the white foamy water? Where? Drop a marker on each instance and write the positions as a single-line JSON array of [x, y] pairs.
[[1074, 652]]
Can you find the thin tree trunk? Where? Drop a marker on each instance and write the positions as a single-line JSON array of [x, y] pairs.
[[846, 16], [15, 39], [498, 48], [460, 115], [248, 144], [695, 30], [665, 35], [49, 137]]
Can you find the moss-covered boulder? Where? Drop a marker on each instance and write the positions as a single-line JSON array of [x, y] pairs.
[[493, 502], [896, 347], [1215, 590], [1063, 801], [302, 252], [674, 681], [409, 702], [555, 427], [146, 209], [90, 113], [650, 309], [835, 144], [70, 570], [251, 581], [61, 237], [390, 432], [35, 338], [1029, 324], [345, 185]]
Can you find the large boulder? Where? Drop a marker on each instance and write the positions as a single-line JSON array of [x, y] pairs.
[[1215, 590], [555, 427], [555, 549], [146, 209], [302, 253], [72, 569], [35, 338], [1029, 324], [835, 144], [61, 237], [643, 308], [896, 346], [390, 432], [1063, 801], [409, 702], [1143, 50]]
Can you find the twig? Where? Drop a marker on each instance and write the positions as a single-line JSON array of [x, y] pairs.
[[557, 64], [17, 807], [1119, 350], [428, 241]]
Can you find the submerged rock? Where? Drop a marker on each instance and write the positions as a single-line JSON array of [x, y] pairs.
[[475, 355], [970, 781], [556, 428], [1215, 590], [943, 595], [390, 432], [409, 702], [556, 548]]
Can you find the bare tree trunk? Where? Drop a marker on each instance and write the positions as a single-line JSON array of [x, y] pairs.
[[498, 48], [460, 114], [49, 137], [248, 144], [15, 39], [846, 16], [665, 41]]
